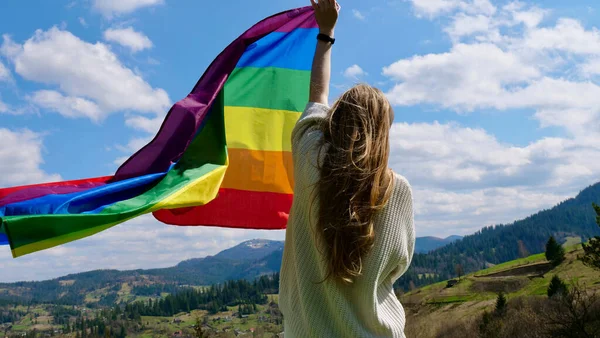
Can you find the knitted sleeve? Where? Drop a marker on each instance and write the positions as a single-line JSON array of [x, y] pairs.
[[403, 230], [309, 123]]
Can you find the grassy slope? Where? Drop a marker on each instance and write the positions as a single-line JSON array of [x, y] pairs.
[[434, 304]]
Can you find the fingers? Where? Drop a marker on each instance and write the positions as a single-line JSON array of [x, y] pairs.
[[331, 3], [314, 4]]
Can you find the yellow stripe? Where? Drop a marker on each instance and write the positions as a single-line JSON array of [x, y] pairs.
[[60, 240], [199, 192], [259, 129]]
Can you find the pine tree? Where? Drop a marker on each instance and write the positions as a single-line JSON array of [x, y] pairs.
[[198, 329], [591, 257], [123, 332], [500, 304], [557, 287], [555, 253]]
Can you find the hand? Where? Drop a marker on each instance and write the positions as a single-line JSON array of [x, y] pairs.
[[326, 13]]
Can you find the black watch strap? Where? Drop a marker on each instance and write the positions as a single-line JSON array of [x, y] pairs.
[[325, 38]]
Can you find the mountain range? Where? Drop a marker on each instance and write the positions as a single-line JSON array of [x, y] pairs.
[[429, 243], [434, 260]]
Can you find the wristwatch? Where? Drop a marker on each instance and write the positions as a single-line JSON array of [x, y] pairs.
[[325, 38]]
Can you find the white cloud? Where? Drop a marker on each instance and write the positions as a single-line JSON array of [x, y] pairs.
[[433, 8], [447, 156], [482, 75], [149, 125], [500, 59], [482, 20], [590, 67], [467, 77], [357, 14], [464, 178], [129, 38], [530, 17], [4, 73], [3, 107], [114, 7], [9, 48], [444, 213], [67, 106], [568, 35], [21, 158], [84, 71], [135, 144], [354, 72], [83, 22], [464, 25], [545, 70]]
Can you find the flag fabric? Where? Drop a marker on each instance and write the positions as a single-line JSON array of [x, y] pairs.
[[263, 98], [221, 157]]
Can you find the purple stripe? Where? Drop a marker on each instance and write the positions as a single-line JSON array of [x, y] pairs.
[[28, 194], [43, 190], [307, 22], [184, 118]]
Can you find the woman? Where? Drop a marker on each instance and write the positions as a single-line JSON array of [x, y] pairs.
[[350, 233]]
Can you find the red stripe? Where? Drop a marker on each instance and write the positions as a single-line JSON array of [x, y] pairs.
[[26, 192], [234, 209]]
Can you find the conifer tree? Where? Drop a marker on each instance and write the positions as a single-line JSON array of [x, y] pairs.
[[555, 253], [557, 287], [591, 257], [500, 304]]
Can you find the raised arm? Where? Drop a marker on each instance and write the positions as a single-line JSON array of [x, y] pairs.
[[326, 13]]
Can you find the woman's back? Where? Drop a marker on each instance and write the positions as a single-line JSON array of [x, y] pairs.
[[314, 306]]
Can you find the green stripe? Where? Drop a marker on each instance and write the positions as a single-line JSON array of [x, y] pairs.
[[206, 153], [255, 87]]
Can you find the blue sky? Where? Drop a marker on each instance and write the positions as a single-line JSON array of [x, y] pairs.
[[497, 105]]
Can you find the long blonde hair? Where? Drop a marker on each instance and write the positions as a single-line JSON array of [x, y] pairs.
[[355, 181]]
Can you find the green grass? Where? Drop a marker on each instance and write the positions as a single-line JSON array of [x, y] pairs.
[[451, 299], [572, 241], [431, 286], [20, 327], [571, 271], [143, 298], [538, 258]]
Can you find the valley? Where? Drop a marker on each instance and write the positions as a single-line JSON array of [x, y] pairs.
[[449, 291]]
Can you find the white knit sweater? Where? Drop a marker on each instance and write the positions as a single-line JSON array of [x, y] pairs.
[[368, 307]]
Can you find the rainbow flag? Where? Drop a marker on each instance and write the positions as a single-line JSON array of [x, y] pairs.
[[222, 157]]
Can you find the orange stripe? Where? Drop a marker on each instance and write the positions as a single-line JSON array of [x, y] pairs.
[[259, 170]]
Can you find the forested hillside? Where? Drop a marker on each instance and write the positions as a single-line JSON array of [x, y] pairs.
[[501, 243]]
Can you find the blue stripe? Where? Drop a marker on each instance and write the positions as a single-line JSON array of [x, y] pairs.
[[3, 239], [90, 201], [293, 50]]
